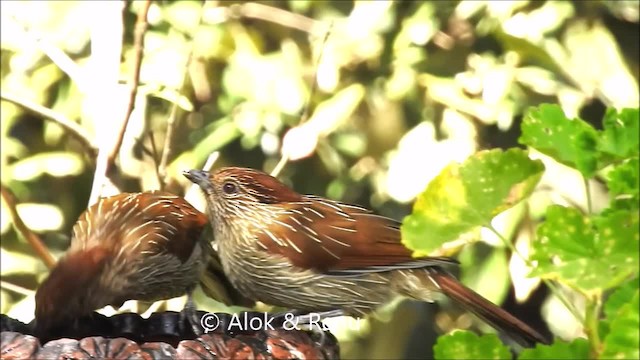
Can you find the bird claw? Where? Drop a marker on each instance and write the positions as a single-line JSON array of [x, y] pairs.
[[189, 321]]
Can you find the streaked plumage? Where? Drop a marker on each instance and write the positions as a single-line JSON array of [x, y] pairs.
[[142, 246], [314, 254]]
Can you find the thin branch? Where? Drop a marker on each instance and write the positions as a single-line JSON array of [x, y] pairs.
[[138, 46], [55, 54], [63, 62], [154, 156], [107, 154], [171, 121], [15, 288], [279, 16], [33, 239], [266, 13], [305, 115], [69, 126]]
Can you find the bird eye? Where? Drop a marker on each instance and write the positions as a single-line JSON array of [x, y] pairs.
[[229, 188]]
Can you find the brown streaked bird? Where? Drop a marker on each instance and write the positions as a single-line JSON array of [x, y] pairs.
[[312, 254], [133, 246]]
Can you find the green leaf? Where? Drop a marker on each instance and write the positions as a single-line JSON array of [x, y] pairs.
[[623, 341], [467, 345], [468, 195], [620, 135], [618, 234], [615, 302], [577, 349], [17, 263], [588, 254], [528, 50], [619, 298], [572, 142], [55, 163], [624, 183], [333, 112]]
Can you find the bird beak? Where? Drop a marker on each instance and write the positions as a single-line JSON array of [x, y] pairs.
[[200, 178]]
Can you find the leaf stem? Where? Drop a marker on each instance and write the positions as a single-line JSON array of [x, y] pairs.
[[547, 282], [594, 304], [588, 193]]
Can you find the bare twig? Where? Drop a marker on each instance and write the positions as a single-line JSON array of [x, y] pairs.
[[107, 154], [138, 46], [305, 115], [69, 126], [15, 288], [64, 62], [268, 13], [154, 156], [55, 54], [33, 239], [171, 121]]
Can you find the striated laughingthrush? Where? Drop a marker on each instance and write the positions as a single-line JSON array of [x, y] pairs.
[[133, 246], [312, 254]]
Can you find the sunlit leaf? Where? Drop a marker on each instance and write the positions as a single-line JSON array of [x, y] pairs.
[[17, 263], [183, 15], [623, 340], [577, 349], [58, 164], [467, 345], [623, 182], [589, 254], [620, 298], [4, 301], [333, 112], [41, 217], [23, 310], [605, 71], [468, 195], [572, 142], [621, 133], [174, 97], [616, 301], [528, 50]]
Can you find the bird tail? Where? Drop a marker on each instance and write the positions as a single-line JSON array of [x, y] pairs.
[[495, 316]]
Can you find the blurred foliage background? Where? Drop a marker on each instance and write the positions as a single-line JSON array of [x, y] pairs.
[[395, 92]]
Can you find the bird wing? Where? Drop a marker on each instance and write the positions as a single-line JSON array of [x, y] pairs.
[[338, 238], [142, 222]]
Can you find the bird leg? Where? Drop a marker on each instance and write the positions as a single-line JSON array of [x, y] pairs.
[[189, 315]]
